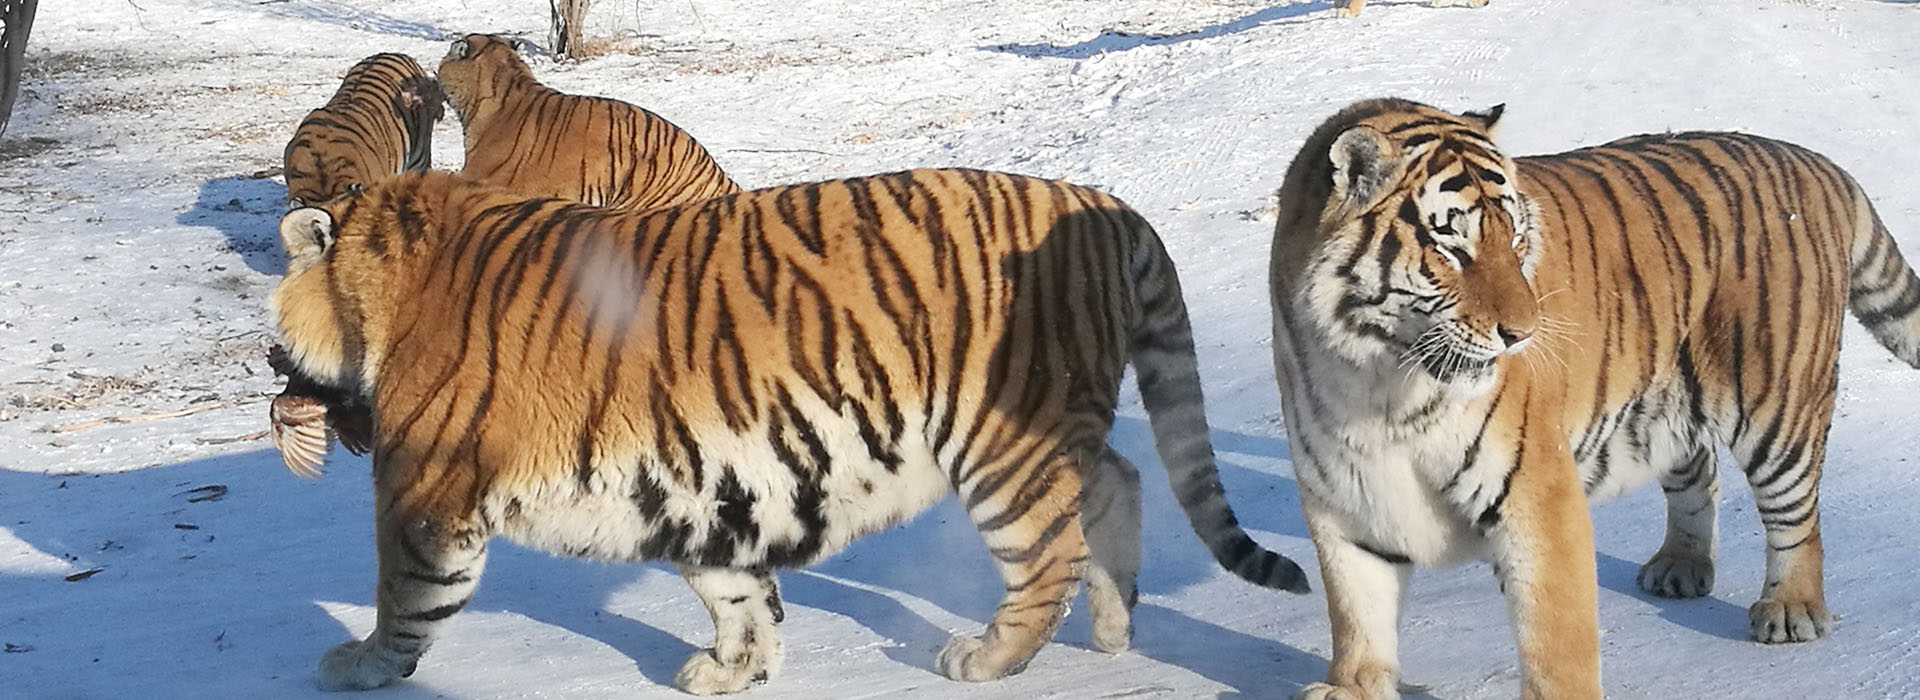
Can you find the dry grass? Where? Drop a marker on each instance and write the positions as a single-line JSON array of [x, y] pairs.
[[90, 392]]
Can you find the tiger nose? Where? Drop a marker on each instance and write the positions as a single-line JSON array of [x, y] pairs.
[[1513, 337]]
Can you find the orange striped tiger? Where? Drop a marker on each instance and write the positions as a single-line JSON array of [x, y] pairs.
[[379, 122], [748, 383], [543, 142], [1468, 343]]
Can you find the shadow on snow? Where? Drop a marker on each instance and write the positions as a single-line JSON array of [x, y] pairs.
[[247, 211], [243, 577]]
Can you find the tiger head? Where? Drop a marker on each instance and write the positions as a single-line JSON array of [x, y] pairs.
[[347, 261], [1411, 240], [479, 68]]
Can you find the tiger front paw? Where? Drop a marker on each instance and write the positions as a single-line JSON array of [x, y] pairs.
[[1374, 681], [704, 674], [1774, 621], [1328, 691], [361, 665], [971, 659]]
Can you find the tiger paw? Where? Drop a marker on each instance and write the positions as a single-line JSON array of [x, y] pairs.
[[361, 665], [704, 674], [1328, 691], [1778, 622], [1112, 612], [1676, 576], [1373, 681], [1112, 634], [970, 659]]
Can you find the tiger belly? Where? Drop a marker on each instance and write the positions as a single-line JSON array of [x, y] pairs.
[[748, 508], [1654, 434]]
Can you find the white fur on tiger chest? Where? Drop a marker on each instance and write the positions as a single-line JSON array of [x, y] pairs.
[[600, 517], [1380, 476]]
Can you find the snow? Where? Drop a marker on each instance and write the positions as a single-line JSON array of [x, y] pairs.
[[137, 247]]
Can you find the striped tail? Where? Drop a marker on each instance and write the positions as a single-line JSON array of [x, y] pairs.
[[1169, 378], [1884, 293]]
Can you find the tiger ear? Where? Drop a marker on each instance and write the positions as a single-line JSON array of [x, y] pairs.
[[458, 50], [306, 233], [1487, 118], [1363, 163]]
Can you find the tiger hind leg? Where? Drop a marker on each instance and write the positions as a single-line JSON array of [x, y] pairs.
[[745, 605], [1786, 491], [1352, 8], [1683, 568], [428, 569], [1031, 524], [1110, 508], [1782, 455]]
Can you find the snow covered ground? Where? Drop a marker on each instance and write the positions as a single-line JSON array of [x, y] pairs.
[[137, 248]]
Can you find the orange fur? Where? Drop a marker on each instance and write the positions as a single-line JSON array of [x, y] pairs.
[[748, 383], [538, 141]]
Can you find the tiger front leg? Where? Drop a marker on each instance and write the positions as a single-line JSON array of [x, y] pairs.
[[429, 566], [1041, 552], [1542, 551], [1364, 596], [745, 605]]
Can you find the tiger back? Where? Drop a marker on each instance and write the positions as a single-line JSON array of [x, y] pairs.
[[379, 122], [1469, 345], [750, 382], [541, 142]]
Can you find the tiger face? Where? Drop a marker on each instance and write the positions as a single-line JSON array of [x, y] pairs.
[[479, 67], [1430, 252]]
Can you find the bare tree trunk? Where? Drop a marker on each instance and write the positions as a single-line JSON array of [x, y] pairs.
[[569, 16], [18, 17]]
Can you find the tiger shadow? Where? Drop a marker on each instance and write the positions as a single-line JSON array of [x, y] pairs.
[[1707, 615], [189, 575], [247, 211], [233, 594]]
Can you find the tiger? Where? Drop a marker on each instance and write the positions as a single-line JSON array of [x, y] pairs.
[[379, 122], [528, 137], [1352, 8], [1468, 346], [748, 383]]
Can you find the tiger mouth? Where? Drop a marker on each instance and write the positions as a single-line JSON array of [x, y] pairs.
[[1454, 366]]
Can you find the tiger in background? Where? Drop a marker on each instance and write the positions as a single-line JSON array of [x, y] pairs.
[[542, 142], [748, 383], [1352, 8], [1469, 345], [379, 122]]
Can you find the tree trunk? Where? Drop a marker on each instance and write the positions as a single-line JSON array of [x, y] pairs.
[[18, 18], [569, 16]]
